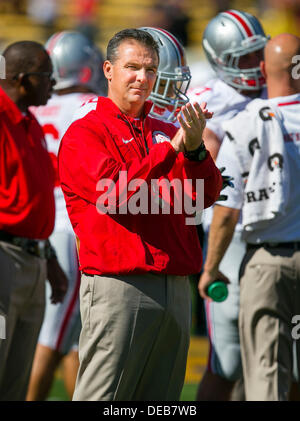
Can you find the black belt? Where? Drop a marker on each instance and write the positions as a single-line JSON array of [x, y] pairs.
[[31, 246], [294, 245]]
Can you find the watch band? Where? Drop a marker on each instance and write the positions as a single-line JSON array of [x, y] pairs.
[[196, 155]]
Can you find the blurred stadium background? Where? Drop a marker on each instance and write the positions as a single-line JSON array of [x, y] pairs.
[[100, 19]]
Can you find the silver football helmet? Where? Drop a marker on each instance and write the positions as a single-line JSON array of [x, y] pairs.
[[76, 61], [173, 75], [229, 36]]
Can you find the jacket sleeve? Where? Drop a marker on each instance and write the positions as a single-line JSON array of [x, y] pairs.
[[194, 171], [209, 173], [87, 168]]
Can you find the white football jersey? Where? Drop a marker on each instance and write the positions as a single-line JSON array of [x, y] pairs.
[[85, 107], [223, 100], [285, 227], [201, 71], [55, 118]]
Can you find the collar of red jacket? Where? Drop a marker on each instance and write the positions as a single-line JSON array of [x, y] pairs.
[[14, 113], [109, 107]]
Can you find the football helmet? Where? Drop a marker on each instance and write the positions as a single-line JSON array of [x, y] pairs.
[[173, 75], [76, 61], [229, 36]]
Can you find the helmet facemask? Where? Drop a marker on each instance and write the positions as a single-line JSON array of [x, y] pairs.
[[173, 76], [169, 92], [227, 39], [227, 66]]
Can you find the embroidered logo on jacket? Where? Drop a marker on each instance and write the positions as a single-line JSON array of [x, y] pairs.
[[160, 137], [127, 141]]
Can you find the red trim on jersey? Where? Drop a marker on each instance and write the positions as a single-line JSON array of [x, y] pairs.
[[283, 104], [242, 22], [69, 312], [178, 45], [201, 92]]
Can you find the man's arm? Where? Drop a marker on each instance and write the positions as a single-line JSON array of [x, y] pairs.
[[84, 159], [197, 163], [226, 217], [81, 168], [57, 279], [56, 276], [220, 235], [212, 142]]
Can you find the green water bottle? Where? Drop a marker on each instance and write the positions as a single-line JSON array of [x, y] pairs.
[[217, 291]]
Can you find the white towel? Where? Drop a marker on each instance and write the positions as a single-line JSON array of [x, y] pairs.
[[257, 136]]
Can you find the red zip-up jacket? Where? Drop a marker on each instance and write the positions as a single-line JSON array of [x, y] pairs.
[[97, 148], [27, 207]]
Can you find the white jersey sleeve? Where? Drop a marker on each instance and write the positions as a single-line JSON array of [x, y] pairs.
[[57, 115], [227, 158], [265, 137], [85, 108], [224, 101], [55, 118]]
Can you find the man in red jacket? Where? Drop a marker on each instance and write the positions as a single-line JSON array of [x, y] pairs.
[[136, 245], [26, 214]]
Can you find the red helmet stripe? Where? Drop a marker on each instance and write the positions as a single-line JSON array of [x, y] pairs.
[[178, 45], [53, 41], [244, 24]]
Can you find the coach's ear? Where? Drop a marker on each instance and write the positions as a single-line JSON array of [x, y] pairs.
[[21, 83], [107, 70], [262, 66]]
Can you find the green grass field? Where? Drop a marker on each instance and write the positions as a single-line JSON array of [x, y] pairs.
[[58, 392], [195, 367], [188, 392]]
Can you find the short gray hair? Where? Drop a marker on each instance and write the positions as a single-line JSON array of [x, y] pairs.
[[126, 34]]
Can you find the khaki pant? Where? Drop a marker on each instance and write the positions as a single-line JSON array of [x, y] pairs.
[[134, 339], [270, 297], [22, 302]]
